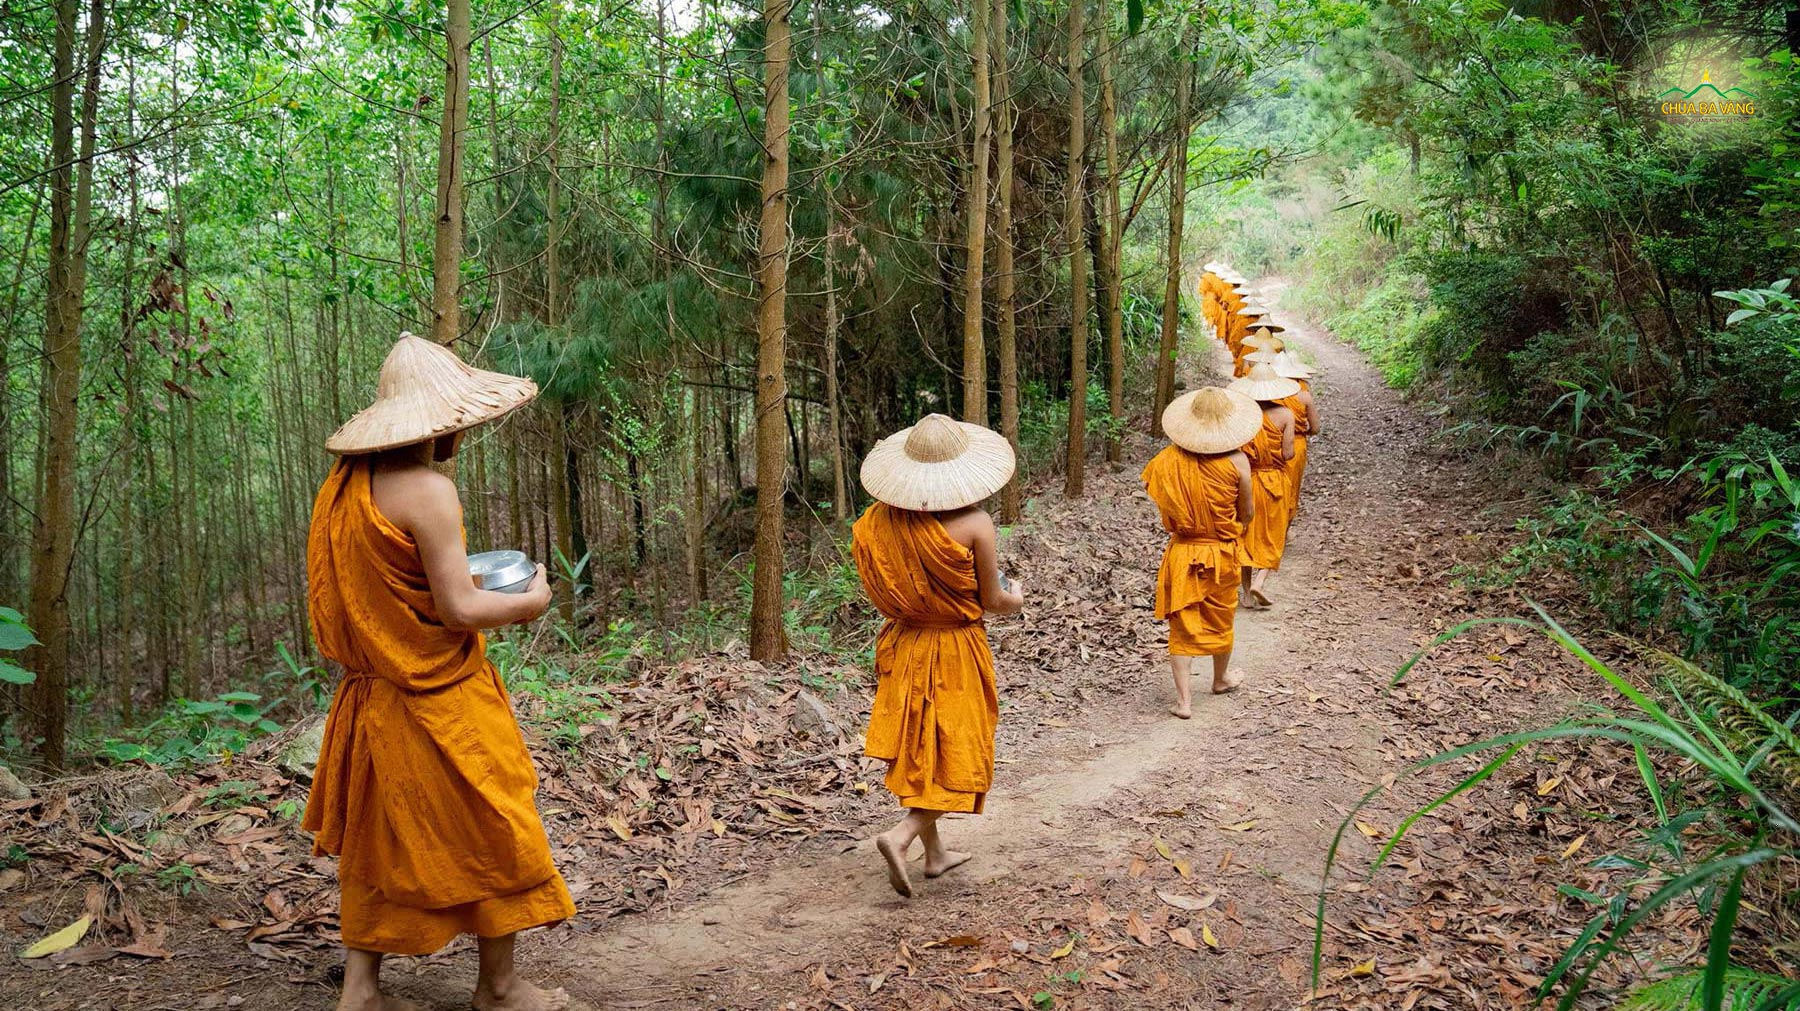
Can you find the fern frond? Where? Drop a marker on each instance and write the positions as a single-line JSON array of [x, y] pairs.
[[1740, 715], [1744, 991]]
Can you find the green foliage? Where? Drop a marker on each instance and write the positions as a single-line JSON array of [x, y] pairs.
[[1689, 854], [1743, 990], [1390, 325], [14, 636], [190, 732]]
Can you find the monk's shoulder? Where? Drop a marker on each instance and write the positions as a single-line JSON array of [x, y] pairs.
[[968, 525], [409, 495]]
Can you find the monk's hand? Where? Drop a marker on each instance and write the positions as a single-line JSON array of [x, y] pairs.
[[1018, 591], [538, 593]]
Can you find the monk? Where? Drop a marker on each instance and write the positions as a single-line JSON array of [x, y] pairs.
[[1270, 453], [1306, 412], [926, 553], [1202, 487], [423, 789]]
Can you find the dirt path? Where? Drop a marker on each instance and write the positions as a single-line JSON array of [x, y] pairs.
[[1127, 860], [1101, 780]]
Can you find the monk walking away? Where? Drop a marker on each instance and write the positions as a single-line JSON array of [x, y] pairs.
[[926, 554], [424, 785], [1202, 487], [1270, 452]]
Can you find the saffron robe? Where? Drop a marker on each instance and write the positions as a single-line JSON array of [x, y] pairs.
[[423, 789], [1272, 487], [936, 701], [1302, 429], [1197, 583]]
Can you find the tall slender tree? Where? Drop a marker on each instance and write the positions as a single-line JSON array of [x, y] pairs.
[[1074, 239], [768, 637], [1177, 173], [447, 242], [1005, 282], [54, 527], [975, 244], [1111, 237]]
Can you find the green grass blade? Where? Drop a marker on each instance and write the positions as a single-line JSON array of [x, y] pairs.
[[1441, 799], [1718, 946], [1574, 951], [1650, 782]]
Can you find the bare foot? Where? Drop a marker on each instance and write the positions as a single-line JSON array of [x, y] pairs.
[[1261, 597], [1232, 680], [896, 864], [376, 1002], [520, 996], [948, 861], [1182, 712]]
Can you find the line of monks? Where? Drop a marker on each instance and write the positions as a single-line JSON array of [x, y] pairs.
[[424, 789]]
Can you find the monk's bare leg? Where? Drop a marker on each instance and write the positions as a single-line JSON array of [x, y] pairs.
[[362, 985], [498, 986], [1224, 678], [893, 844], [1244, 587], [1257, 579], [1182, 667], [939, 860]]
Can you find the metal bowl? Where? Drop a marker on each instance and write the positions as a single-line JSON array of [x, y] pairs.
[[502, 571]]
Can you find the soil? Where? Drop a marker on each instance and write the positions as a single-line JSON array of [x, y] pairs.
[[1127, 859]]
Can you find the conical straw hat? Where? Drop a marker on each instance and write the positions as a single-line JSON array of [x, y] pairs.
[[1263, 356], [1254, 309], [1212, 419], [1289, 367], [425, 391], [1215, 267], [1263, 383], [1235, 279], [938, 464], [1263, 340], [1268, 325]]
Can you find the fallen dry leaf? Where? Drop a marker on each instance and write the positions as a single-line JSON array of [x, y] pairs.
[[1369, 830], [1549, 784], [1066, 950], [1576, 845], [1242, 826], [1187, 902], [64, 938], [1362, 969], [1207, 937], [1163, 849], [1184, 937]]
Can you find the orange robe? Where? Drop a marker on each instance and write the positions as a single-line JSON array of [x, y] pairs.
[[1273, 489], [423, 789], [936, 704], [1197, 585], [1302, 429]]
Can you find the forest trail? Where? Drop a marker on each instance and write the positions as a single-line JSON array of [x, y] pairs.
[[1247, 794]]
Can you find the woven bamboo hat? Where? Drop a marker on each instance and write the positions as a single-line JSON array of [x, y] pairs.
[[1215, 267], [1267, 325], [1212, 419], [1253, 309], [1263, 340], [1264, 383], [1289, 367], [1235, 279], [1270, 357], [424, 392], [939, 463]]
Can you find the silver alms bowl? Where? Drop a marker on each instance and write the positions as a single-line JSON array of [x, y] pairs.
[[502, 571]]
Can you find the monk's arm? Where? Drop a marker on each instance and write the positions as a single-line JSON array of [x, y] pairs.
[[435, 521], [1287, 437], [1246, 509], [987, 569], [1312, 415]]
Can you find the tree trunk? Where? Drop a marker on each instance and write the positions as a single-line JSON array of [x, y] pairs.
[[1078, 281], [447, 244], [1005, 283], [566, 493], [53, 533], [974, 342], [1111, 238], [1171, 314], [768, 639]]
